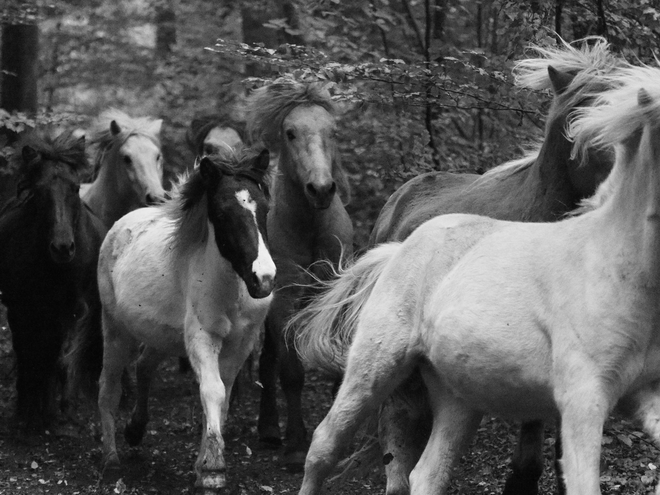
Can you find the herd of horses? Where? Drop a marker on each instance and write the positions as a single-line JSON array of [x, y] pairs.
[[529, 292]]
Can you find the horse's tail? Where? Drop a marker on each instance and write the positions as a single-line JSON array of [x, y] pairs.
[[324, 329], [83, 358]]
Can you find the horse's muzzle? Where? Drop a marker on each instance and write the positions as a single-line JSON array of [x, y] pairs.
[[62, 252], [260, 288]]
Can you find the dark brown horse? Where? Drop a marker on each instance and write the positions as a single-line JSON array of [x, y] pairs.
[[307, 222], [49, 243]]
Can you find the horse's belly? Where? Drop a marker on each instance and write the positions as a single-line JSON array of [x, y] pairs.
[[497, 369]]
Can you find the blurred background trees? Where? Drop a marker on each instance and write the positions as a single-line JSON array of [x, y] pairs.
[[422, 84]]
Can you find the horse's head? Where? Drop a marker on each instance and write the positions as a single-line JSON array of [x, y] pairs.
[[221, 140], [572, 92], [140, 164], [48, 185], [237, 209], [308, 145], [576, 73], [296, 121]]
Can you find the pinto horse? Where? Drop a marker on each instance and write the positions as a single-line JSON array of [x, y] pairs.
[[128, 165], [49, 243], [522, 320], [540, 187], [212, 134], [192, 277], [307, 222]]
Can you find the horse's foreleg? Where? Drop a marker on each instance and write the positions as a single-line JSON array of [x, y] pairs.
[[146, 366], [268, 425], [203, 352], [292, 377], [117, 348], [404, 426], [584, 408], [376, 366], [644, 405], [527, 462], [454, 424]]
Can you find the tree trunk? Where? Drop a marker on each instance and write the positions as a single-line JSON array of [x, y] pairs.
[[165, 28], [20, 57], [255, 14]]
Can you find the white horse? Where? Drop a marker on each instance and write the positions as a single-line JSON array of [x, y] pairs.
[[193, 278], [128, 165], [527, 321]]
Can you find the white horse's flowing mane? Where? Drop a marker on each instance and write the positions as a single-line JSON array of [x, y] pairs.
[[616, 117]]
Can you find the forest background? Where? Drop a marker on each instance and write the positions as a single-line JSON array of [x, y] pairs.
[[422, 84]]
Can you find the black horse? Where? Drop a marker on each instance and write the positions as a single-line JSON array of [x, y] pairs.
[[49, 244]]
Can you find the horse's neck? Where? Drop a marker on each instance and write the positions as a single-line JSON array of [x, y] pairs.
[[105, 198], [295, 229], [547, 184], [630, 227]]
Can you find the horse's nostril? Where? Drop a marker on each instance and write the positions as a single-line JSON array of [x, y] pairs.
[[62, 252], [311, 190]]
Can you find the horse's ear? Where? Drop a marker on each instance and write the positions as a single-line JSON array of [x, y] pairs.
[[29, 154], [155, 126], [208, 170], [114, 128], [559, 80], [644, 99], [262, 161]]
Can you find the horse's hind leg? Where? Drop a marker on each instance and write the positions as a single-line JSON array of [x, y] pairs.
[[527, 462], [376, 366], [454, 425], [404, 426], [146, 365], [118, 347]]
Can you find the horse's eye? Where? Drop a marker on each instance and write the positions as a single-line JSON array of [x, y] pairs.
[[127, 160], [209, 149], [290, 135], [158, 157]]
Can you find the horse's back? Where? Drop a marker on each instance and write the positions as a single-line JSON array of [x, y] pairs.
[[418, 200], [136, 281]]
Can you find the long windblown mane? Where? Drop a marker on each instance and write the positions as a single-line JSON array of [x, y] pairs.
[[187, 206], [589, 60], [586, 59], [616, 117], [268, 106], [201, 126], [591, 63], [64, 148], [102, 141]]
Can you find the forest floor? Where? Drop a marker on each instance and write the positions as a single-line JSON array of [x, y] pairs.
[[66, 460]]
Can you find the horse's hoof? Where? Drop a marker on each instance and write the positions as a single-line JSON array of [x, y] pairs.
[[111, 468], [134, 432], [211, 482], [270, 437], [294, 462]]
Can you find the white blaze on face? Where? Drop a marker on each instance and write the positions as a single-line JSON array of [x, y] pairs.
[[263, 266]]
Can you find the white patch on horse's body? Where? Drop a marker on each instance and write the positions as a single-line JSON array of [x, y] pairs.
[[156, 313], [263, 265]]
